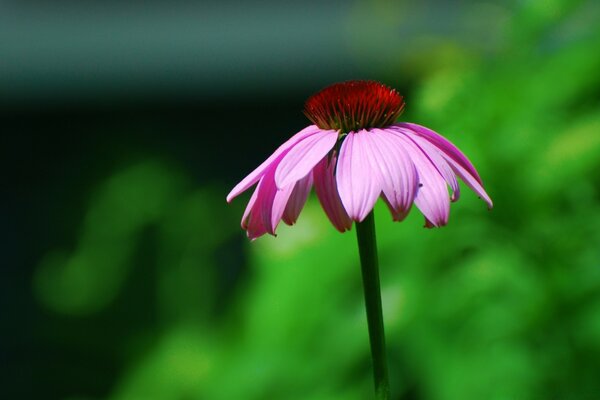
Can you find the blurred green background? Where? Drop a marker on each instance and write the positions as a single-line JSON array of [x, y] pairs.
[[126, 275]]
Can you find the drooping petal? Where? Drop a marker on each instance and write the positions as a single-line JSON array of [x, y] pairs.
[[278, 208], [271, 200], [303, 156], [266, 207], [255, 227], [444, 145], [395, 171], [297, 199], [398, 214], [437, 159], [470, 181], [327, 192], [428, 224], [255, 175], [358, 186], [249, 208], [432, 196], [265, 198], [252, 220]]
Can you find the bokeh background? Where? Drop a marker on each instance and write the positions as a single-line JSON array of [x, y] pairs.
[[127, 276]]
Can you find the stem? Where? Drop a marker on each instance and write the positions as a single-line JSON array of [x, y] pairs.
[[367, 248]]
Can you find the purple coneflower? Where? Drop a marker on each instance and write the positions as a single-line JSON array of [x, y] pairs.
[[353, 154]]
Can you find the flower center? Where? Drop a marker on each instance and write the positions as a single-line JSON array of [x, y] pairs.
[[354, 105]]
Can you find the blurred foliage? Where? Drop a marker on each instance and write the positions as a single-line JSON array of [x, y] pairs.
[[497, 305]]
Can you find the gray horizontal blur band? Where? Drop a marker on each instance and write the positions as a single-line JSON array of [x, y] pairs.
[[68, 49]]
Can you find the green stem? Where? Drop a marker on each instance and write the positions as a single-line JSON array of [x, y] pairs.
[[367, 248]]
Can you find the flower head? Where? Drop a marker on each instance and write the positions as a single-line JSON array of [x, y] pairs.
[[353, 154]]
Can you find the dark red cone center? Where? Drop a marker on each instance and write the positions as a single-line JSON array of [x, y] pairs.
[[354, 105]]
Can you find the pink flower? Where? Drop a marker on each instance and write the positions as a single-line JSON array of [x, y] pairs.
[[353, 154]]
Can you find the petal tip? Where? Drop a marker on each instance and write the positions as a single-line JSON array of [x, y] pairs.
[[435, 224], [343, 229]]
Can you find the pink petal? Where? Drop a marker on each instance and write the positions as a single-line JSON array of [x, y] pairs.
[[271, 202], [266, 206], [303, 156], [255, 227], [470, 181], [252, 221], [249, 207], [265, 198], [326, 189], [428, 224], [255, 175], [357, 185], [278, 207], [297, 199], [398, 214], [432, 196], [437, 159], [395, 171], [444, 145]]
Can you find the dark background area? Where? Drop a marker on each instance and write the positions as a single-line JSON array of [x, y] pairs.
[[53, 156]]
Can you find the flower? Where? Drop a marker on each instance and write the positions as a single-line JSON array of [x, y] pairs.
[[353, 154]]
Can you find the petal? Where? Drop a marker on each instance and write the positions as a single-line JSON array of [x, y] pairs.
[[255, 175], [297, 199], [252, 221], [357, 185], [255, 227], [303, 156], [396, 171], [278, 207], [447, 147], [470, 181], [432, 197], [271, 201], [249, 208], [327, 192], [398, 214], [438, 160]]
